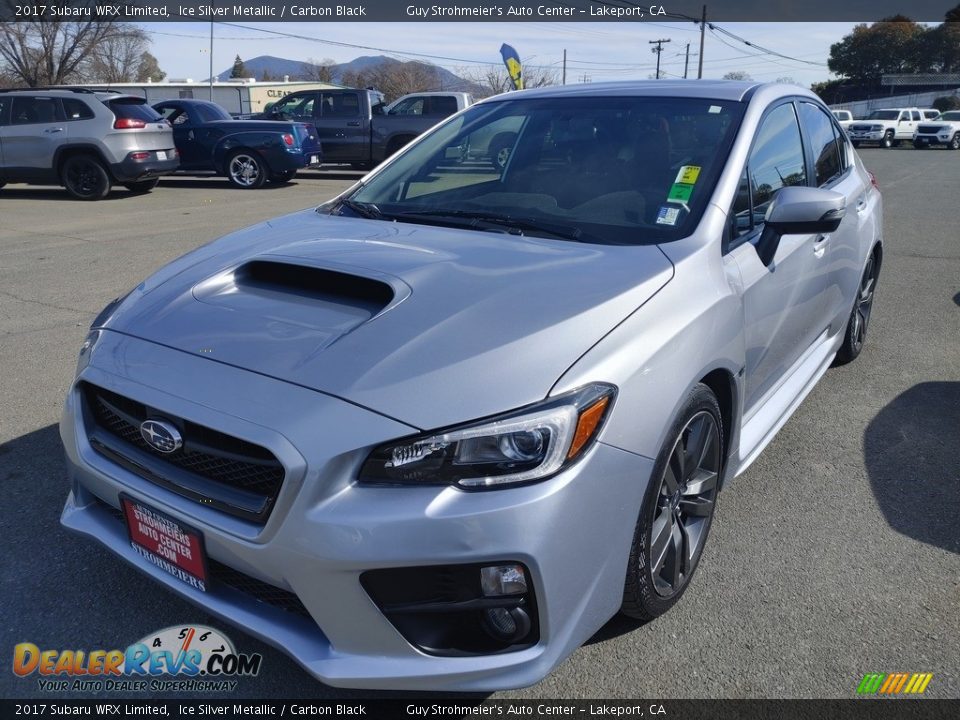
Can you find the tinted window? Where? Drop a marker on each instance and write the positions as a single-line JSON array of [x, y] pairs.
[[341, 105], [4, 106], [29, 110], [776, 160], [295, 106], [76, 109], [826, 154], [916, 115], [844, 146], [410, 106], [443, 105], [626, 170], [883, 115], [133, 109]]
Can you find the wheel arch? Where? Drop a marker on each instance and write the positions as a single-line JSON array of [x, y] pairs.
[[723, 385], [65, 152]]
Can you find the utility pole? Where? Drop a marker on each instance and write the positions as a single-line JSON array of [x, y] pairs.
[[211, 62], [564, 66], [658, 49], [686, 63], [585, 78], [703, 30]]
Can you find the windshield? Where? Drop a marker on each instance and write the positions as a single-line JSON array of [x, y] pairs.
[[952, 115], [628, 170], [884, 115]]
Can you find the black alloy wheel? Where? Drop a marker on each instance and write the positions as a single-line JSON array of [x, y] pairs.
[[856, 332]]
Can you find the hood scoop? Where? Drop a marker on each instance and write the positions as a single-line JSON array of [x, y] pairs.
[[289, 300]]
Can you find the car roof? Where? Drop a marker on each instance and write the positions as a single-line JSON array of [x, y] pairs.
[[707, 89]]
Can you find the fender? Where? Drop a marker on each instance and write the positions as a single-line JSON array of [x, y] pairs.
[[260, 142]]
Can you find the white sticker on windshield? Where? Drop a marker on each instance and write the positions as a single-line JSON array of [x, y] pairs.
[[715, 109], [668, 215]]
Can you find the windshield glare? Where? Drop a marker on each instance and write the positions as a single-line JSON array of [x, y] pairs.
[[628, 170], [884, 115]]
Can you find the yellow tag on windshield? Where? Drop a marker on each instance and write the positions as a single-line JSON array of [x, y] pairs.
[[688, 174]]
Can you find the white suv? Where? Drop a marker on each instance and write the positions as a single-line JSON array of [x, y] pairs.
[[945, 130], [887, 127]]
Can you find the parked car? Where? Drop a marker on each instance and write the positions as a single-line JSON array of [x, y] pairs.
[[944, 131], [248, 152], [85, 141], [930, 113], [436, 432], [844, 118], [355, 127], [887, 127]]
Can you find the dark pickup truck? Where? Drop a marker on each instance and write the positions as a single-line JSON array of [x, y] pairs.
[[248, 152], [357, 128]]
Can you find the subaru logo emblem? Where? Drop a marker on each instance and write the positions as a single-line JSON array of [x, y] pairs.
[[161, 436]]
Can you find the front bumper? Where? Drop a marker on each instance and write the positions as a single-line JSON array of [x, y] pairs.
[[573, 532], [871, 136], [941, 139]]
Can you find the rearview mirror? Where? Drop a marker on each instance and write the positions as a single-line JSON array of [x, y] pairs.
[[799, 211]]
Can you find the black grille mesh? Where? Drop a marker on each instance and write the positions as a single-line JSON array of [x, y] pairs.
[[223, 458]]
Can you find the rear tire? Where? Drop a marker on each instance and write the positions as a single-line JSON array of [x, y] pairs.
[[143, 186], [396, 145], [677, 511], [246, 170], [85, 177], [855, 334]]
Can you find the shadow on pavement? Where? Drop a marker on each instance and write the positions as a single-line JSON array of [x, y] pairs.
[[912, 450]]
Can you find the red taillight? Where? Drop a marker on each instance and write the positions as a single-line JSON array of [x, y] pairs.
[[288, 139], [139, 156], [129, 124], [873, 179]]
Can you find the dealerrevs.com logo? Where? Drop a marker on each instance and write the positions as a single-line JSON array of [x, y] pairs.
[[200, 659]]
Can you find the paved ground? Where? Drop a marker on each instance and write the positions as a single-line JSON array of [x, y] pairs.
[[836, 554]]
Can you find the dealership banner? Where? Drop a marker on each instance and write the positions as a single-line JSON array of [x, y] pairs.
[[239, 11], [478, 708]]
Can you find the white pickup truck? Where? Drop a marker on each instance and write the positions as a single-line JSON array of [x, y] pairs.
[[844, 118], [887, 127], [945, 130]]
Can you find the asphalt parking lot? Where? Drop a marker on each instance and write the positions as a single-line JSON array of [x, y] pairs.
[[836, 554]]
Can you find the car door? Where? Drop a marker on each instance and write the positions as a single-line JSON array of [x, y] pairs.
[[342, 127], [35, 131], [834, 169], [193, 153], [783, 303], [906, 125]]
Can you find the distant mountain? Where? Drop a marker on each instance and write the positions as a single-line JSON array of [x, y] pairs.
[[277, 67]]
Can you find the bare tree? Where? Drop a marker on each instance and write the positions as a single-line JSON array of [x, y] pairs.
[[317, 70], [117, 58], [395, 79], [494, 79], [50, 53]]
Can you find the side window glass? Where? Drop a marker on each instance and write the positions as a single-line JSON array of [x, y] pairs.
[[31, 110], [742, 215], [4, 107], [844, 145], [341, 105], [442, 105], [776, 160], [826, 154], [75, 109], [916, 115], [410, 106]]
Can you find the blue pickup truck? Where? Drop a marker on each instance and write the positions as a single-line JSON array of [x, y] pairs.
[[248, 152]]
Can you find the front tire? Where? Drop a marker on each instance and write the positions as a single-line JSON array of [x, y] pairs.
[[677, 511], [955, 142], [85, 177], [246, 170], [855, 334], [856, 143], [887, 141]]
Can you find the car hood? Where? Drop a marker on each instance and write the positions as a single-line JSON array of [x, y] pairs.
[[428, 325]]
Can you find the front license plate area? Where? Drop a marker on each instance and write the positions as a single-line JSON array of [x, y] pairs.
[[166, 543]]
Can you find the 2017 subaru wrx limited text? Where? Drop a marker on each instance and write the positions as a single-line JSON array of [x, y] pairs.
[[436, 432]]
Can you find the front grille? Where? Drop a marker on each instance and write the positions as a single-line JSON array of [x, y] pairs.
[[226, 575], [929, 129], [220, 470], [860, 128]]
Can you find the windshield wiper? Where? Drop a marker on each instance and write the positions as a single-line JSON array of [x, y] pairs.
[[476, 219], [365, 210]]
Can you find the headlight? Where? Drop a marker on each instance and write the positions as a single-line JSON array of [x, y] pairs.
[[525, 446], [876, 128]]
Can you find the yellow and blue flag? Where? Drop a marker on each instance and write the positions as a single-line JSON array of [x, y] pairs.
[[512, 60]]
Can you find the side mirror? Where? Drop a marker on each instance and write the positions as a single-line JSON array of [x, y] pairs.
[[799, 211]]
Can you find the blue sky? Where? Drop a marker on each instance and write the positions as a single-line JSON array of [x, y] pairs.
[[601, 51]]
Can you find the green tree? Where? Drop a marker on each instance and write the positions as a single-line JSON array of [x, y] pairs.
[[893, 45], [149, 69], [239, 70]]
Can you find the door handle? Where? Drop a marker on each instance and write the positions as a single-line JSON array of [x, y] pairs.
[[50, 131], [820, 245]]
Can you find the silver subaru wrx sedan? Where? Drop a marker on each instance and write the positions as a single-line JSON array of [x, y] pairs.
[[436, 432]]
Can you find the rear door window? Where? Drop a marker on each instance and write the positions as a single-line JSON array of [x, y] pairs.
[[823, 142], [341, 105], [76, 109]]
